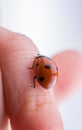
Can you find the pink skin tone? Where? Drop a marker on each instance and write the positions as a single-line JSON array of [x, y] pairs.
[[27, 107]]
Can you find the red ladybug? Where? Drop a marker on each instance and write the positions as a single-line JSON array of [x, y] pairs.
[[46, 71]]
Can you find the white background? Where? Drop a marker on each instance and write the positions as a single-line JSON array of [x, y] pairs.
[[53, 25]]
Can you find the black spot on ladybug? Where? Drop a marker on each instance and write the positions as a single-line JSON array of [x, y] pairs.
[[47, 66], [37, 64], [41, 78]]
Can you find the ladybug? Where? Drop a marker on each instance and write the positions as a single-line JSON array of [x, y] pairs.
[[45, 70]]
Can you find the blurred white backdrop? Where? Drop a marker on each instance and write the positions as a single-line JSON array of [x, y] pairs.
[[53, 25]]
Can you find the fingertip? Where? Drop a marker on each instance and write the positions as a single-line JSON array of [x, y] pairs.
[[70, 72]]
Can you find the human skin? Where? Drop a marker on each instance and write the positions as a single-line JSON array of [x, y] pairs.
[[27, 107]]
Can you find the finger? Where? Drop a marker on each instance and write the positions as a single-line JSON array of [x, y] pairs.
[[3, 116], [28, 108], [70, 74]]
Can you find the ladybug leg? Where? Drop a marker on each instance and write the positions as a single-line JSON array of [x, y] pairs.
[[34, 80], [32, 66]]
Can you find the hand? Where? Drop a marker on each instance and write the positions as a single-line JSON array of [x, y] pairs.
[[32, 108]]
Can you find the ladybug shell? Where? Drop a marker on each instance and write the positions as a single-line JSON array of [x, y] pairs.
[[46, 71]]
